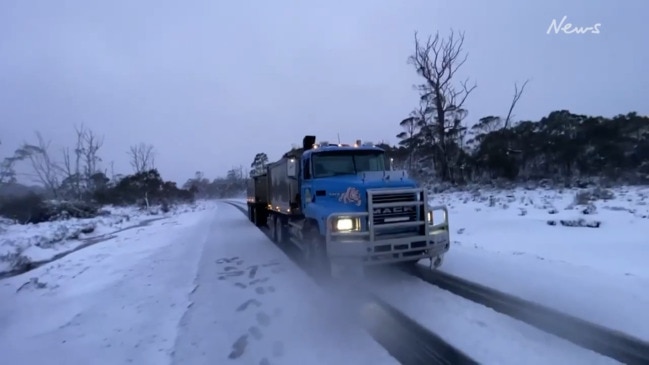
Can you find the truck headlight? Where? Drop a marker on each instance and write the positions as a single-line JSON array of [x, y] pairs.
[[429, 216], [346, 224]]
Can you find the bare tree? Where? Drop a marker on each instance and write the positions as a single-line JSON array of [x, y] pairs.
[[113, 176], [142, 157], [66, 166], [7, 172], [82, 162], [69, 179], [517, 95], [46, 171], [90, 146], [78, 153], [411, 128], [493, 123], [438, 60]]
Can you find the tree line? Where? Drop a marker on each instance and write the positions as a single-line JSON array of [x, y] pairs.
[[232, 185], [436, 142], [74, 183], [561, 147]]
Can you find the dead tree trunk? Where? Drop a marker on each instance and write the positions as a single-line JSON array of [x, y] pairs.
[[437, 61]]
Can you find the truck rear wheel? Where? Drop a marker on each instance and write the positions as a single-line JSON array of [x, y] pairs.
[[272, 227], [315, 253], [259, 216], [280, 232], [251, 213]]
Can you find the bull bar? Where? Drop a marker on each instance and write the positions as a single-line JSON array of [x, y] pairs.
[[372, 245]]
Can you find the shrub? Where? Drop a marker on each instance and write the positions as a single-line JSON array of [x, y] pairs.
[[71, 209], [585, 197], [30, 208]]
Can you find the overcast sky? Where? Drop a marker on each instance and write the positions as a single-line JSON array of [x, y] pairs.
[[210, 83]]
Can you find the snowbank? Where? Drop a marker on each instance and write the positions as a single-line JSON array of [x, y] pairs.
[[116, 302], [583, 252], [23, 246]]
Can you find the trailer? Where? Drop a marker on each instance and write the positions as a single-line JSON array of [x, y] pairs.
[[257, 199], [345, 210]]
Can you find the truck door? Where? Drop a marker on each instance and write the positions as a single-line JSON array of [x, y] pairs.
[[306, 191]]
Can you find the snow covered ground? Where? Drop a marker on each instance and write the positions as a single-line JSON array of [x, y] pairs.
[[200, 287], [33, 243], [514, 241], [115, 302], [537, 244], [485, 335], [208, 287]]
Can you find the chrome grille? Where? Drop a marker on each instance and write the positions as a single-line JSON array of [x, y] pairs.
[[394, 213], [394, 198]]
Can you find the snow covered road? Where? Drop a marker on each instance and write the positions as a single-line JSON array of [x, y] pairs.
[[482, 333], [252, 304], [505, 239], [209, 287], [153, 296]]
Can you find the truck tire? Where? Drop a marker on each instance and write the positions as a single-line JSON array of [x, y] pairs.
[[407, 265], [315, 253], [271, 227], [259, 217], [412, 265], [280, 232], [251, 213]]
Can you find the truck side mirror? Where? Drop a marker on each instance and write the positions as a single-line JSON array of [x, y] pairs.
[[291, 168]]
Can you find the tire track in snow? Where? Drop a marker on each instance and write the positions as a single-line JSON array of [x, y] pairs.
[[402, 337], [611, 343]]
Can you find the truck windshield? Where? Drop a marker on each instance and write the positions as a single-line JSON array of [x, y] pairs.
[[347, 162]]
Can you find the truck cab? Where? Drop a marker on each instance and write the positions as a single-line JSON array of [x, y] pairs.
[[343, 205]]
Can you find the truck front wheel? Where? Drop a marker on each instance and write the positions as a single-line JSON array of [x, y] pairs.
[[408, 265], [315, 253]]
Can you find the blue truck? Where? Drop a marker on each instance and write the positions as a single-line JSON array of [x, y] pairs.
[[345, 208]]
